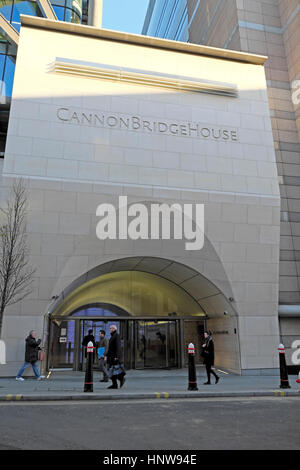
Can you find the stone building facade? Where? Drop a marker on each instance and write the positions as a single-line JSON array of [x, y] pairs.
[[96, 115]]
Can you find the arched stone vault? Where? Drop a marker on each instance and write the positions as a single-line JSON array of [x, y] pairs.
[[153, 286], [202, 297]]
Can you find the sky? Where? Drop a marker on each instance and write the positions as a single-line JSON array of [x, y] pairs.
[[124, 15]]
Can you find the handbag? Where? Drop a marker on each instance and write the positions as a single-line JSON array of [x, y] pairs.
[[116, 370], [41, 355]]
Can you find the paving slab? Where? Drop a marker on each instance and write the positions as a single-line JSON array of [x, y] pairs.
[[145, 384]]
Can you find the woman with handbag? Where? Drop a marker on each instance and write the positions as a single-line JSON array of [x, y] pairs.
[[116, 371], [31, 356], [208, 355]]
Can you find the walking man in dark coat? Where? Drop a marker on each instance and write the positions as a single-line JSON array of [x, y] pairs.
[[208, 353], [114, 355], [31, 356]]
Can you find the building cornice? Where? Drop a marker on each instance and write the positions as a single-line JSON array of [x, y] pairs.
[[141, 77], [140, 40]]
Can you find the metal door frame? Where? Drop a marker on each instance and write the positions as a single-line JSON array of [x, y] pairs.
[[167, 322], [130, 333]]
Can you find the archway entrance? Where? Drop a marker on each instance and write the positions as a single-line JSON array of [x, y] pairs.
[[155, 304]]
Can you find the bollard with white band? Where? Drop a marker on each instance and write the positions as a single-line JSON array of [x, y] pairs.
[[284, 378], [88, 380], [192, 368]]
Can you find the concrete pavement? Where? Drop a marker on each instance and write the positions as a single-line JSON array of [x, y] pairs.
[[69, 385]]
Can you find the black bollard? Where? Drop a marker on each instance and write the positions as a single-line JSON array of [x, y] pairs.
[[284, 378], [88, 380], [192, 368], [298, 380]]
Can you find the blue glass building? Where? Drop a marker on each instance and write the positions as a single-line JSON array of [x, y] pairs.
[[167, 19], [65, 10]]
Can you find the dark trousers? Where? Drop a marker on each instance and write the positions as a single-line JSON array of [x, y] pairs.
[[110, 363], [209, 371]]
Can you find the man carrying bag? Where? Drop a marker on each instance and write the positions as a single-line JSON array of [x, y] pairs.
[[116, 370], [102, 349]]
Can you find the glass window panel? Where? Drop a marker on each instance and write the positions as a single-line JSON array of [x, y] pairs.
[[2, 62], [37, 9], [60, 12], [156, 344], [105, 311], [72, 16], [6, 8], [75, 4], [11, 49], [77, 10], [4, 3], [62, 344], [25, 8], [168, 18], [9, 75], [68, 15], [59, 3], [76, 18], [182, 32], [3, 44], [16, 25]]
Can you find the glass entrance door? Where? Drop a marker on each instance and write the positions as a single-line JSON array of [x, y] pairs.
[[144, 344], [156, 344], [62, 344]]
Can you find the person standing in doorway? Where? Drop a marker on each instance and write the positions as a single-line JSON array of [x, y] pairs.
[[114, 355], [102, 349], [89, 337], [209, 357], [31, 356]]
